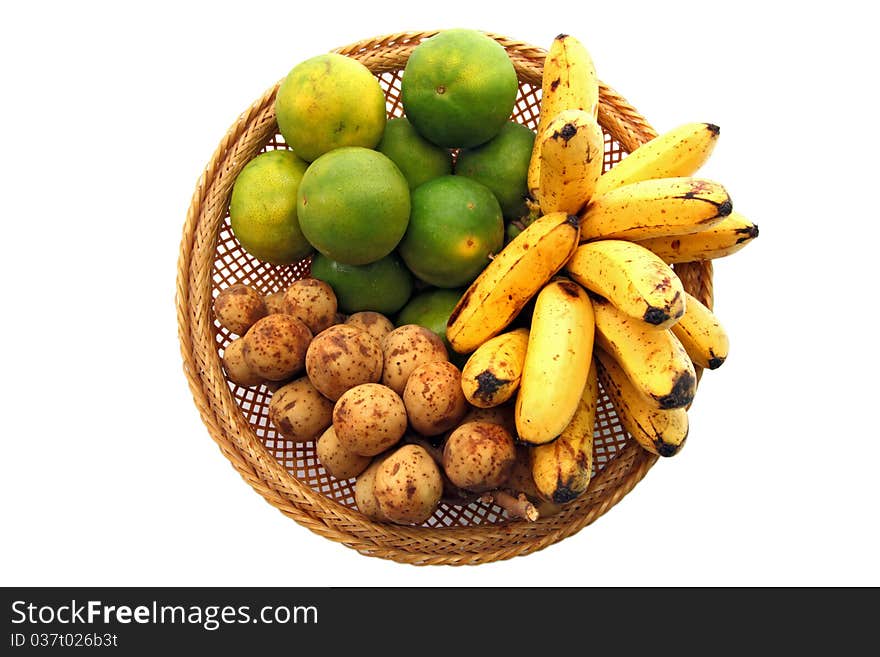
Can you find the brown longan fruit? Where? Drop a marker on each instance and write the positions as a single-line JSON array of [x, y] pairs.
[[369, 419], [478, 456], [238, 307], [376, 324], [313, 301], [275, 346], [237, 369], [336, 459], [434, 399], [405, 348], [408, 485], [275, 302], [341, 357], [299, 412], [364, 490]]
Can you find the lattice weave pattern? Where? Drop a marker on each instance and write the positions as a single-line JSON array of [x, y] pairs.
[[289, 476]]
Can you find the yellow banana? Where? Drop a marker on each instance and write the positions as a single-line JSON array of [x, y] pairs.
[[568, 81], [632, 278], [659, 431], [655, 208], [557, 361], [510, 279], [654, 359], [724, 238], [702, 335], [572, 152], [562, 469], [679, 152], [521, 482], [492, 373]]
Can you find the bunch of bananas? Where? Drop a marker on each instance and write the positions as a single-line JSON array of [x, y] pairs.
[[592, 273]]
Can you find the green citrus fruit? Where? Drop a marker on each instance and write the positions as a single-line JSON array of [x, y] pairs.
[[327, 102], [383, 286], [418, 159], [431, 309], [262, 208], [455, 224], [458, 88], [502, 164], [353, 205]]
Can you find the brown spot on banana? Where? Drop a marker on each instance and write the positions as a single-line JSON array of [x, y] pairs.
[[656, 316], [682, 392], [488, 384], [569, 288], [567, 131]]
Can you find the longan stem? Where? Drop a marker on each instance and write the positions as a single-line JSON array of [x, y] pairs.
[[516, 507]]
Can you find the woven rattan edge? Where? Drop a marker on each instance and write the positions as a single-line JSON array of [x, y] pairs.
[[238, 442]]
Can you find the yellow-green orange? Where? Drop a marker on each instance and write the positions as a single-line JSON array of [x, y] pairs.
[[455, 225], [502, 164], [262, 208], [458, 88], [327, 102], [418, 159], [383, 286], [353, 205]]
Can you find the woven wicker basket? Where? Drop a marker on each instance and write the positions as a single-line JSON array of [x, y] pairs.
[[288, 475]]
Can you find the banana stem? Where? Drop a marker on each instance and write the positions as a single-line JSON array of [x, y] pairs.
[[516, 507]]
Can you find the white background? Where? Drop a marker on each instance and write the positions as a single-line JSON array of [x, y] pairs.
[[112, 110]]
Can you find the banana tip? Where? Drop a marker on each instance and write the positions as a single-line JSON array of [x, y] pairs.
[[656, 316], [715, 362], [667, 449], [714, 129], [564, 494]]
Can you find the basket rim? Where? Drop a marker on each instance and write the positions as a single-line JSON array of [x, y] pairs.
[[235, 437]]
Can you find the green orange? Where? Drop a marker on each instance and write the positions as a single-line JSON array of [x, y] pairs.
[[502, 164], [383, 286], [330, 101], [263, 210], [455, 225], [431, 308], [353, 205], [418, 159], [459, 88]]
